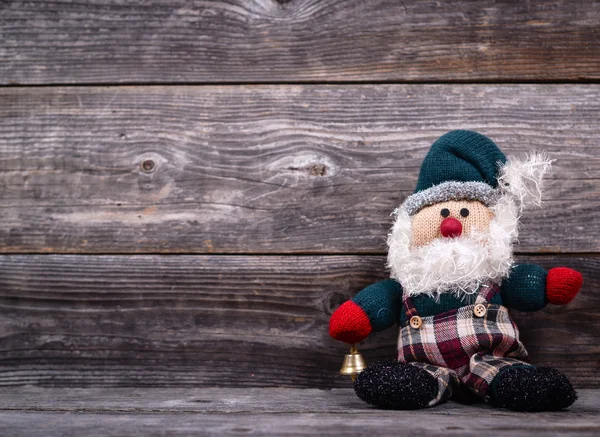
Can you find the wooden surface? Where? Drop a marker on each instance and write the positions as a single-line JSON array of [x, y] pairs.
[[228, 412], [160, 321], [176, 41], [271, 169]]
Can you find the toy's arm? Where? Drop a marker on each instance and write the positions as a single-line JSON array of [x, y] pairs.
[[374, 309], [529, 287]]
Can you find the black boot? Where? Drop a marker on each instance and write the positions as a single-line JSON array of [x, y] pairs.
[[532, 389], [390, 384]]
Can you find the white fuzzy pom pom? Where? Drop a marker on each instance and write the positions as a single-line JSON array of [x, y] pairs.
[[523, 178]]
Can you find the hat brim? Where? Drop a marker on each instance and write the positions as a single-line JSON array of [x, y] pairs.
[[451, 190]]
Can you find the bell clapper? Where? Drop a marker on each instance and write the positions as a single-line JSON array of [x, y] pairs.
[[353, 364]]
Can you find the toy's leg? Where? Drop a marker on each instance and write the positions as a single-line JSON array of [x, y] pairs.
[[447, 380], [402, 386], [532, 389], [513, 384]]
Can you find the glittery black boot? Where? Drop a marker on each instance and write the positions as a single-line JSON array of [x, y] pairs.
[[532, 389], [390, 384]]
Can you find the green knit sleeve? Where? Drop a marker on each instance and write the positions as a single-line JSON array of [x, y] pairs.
[[382, 302], [525, 288]]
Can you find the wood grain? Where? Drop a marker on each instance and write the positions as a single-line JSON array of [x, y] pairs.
[[239, 321], [225, 412], [255, 400], [179, 41], [271, 169]]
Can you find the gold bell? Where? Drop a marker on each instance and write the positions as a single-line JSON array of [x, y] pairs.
[[353, 364]]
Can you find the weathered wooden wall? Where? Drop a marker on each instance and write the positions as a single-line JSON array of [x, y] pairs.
[[166, 220], [153, 320], [268, 169], [182, 41]]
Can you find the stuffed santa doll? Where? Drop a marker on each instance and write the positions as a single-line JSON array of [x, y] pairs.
[[453, 281]]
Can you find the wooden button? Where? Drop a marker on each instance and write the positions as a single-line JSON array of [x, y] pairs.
[[416, 322], [479, 310]]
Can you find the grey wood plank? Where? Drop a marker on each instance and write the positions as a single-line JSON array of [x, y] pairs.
[[338, 416], [232, 401], [174, 321], [177, 41], [271, 169]]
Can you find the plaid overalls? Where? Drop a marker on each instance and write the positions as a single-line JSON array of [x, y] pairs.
[[468, 345]]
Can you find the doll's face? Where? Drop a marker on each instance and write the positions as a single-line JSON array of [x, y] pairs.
[[449, 219], [453, 245]]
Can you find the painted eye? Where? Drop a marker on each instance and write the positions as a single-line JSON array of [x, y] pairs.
[[445, 212], [464, 212]]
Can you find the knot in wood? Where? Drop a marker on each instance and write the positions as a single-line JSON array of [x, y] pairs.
[[148, 165], [318, 170]]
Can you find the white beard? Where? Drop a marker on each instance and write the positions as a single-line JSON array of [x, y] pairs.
[[458, 265]]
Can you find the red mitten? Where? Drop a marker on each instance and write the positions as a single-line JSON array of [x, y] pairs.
[[562, 284], [349, 323]]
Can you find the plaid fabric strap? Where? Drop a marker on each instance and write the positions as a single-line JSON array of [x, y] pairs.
[[486, 293], [409, 308]]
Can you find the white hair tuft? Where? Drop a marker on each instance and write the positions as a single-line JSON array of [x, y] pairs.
[[523, 178]]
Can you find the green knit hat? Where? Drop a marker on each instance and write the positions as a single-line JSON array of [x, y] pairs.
[[461, 165]]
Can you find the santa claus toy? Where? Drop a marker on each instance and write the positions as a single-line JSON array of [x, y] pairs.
[[453, 282]]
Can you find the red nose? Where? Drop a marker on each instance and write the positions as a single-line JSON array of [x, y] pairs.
[[451, 227]]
